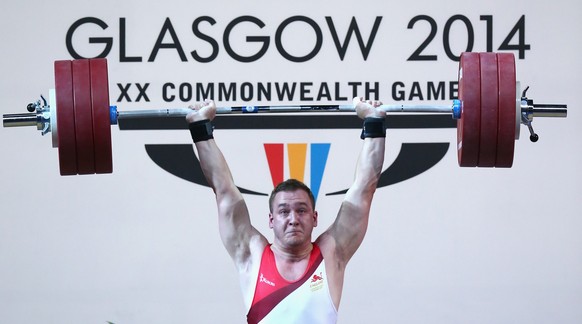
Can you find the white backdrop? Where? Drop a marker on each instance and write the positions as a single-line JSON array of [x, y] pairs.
[[140, 245]]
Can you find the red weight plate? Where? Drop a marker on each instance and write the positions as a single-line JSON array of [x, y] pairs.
[[507, 115], [469, 123], [83, 117], [489, 110], [101, 119], [65, 118]]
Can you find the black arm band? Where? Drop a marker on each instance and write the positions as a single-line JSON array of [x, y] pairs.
[[374, 127], [201, 130]]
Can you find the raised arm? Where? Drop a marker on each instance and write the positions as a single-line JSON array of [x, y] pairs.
[[347, 232], [238, 235]]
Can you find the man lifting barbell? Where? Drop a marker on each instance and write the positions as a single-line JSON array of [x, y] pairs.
[[294, 279]]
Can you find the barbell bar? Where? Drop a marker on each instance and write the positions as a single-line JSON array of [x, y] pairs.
[[489, 112]]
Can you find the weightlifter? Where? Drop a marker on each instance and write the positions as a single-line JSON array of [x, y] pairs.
[[294, 279]]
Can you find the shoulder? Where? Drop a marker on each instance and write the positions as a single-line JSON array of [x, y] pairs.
[[327, 245], [256, 247]]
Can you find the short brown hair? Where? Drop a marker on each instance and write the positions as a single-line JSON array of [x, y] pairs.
[[290, 185]]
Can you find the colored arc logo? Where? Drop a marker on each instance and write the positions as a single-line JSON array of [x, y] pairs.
[[412, 160]]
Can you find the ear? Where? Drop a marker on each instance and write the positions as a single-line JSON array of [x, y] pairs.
[[315, 215], [271, 220]]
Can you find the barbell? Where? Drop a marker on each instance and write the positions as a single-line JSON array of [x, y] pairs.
[[489, 111]]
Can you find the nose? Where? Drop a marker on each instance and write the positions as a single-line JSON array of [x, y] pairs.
[[293, 220]]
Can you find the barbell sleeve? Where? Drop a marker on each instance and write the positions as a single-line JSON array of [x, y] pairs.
[[546, 110], [19, 120]]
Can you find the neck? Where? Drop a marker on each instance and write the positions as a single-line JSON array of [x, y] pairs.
[[292, 254]]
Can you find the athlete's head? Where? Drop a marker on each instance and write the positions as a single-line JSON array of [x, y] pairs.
[[292, 213]]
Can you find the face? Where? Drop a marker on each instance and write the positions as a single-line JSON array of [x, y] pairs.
[[293, 218]]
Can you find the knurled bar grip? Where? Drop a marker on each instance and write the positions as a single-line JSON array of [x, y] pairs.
[[182, 112]]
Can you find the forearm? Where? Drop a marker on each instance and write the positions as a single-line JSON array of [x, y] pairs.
[[215, 168], [368, 170]]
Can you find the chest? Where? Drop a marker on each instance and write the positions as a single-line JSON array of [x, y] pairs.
[[291, 271]]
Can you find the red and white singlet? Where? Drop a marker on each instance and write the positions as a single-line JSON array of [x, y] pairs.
[[279, 301]]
